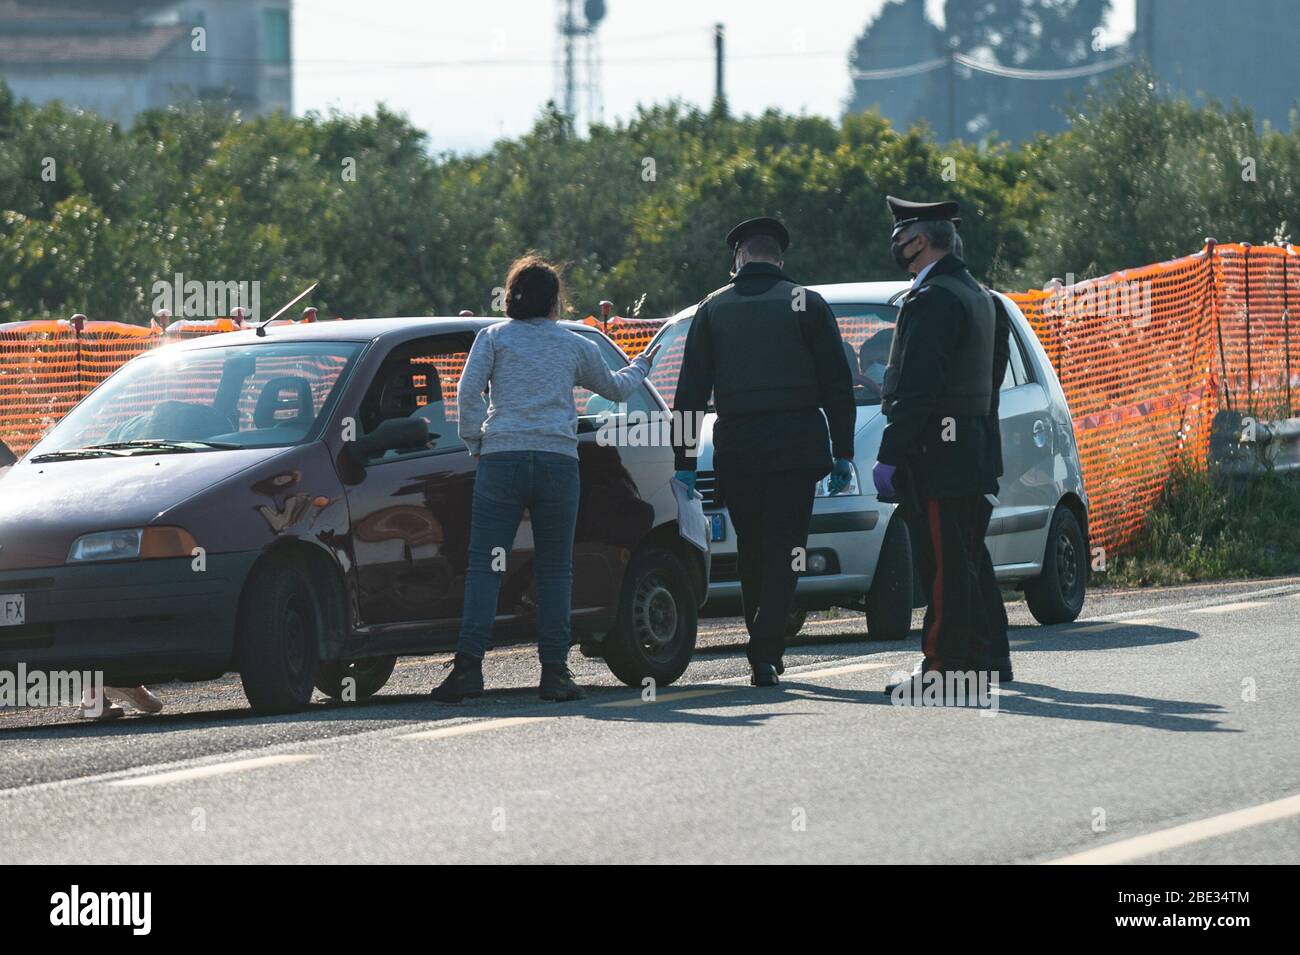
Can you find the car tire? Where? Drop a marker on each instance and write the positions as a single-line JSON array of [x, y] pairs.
[[889, 601], [276, 642], [369, 674], [657, 620], [1057, 594], [794, 623]]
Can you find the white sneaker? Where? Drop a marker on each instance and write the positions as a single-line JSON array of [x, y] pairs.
[[140, 698], [110, 711]]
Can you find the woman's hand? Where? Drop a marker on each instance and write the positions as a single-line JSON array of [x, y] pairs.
[[649, 354]]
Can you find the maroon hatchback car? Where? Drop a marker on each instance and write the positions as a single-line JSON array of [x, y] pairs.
[[296, 506]]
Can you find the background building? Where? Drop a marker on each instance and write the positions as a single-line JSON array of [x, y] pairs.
[[1246, 51], [118, 57]]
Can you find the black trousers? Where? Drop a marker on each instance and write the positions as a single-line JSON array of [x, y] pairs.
[[997, 649], [770, 512], [951, 532]]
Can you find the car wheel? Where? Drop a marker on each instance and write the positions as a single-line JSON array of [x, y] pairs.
[[368, 676], [794, 623], [889, 601], [1057, 594], [275, 645], [655, 633]]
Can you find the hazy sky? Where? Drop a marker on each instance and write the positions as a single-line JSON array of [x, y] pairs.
[[791, 54]]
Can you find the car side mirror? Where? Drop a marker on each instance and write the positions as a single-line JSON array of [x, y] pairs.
[[395, 434]]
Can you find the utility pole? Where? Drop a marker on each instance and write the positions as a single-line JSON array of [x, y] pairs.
[[952, 91], [719, 90]]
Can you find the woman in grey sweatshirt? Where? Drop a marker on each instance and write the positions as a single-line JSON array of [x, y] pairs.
[[526, 439]]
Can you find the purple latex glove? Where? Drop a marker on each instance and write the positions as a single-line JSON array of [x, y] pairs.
[[882, 475]]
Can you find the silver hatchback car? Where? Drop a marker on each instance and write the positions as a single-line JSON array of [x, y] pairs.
[[860, 553]]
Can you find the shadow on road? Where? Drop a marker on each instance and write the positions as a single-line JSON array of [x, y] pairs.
[[1125, 709], [711, 703]]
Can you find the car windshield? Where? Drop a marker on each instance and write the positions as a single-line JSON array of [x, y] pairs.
[[867, 330], [236, 396]]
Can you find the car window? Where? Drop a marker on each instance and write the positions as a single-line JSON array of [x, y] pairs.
[[868, 333], [1017, 366], [1009, 377], [591, 405], [668, 363], [418, 380], [866, 328], [248, 395]]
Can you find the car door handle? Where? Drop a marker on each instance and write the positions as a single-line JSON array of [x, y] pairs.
[[1040, 433]]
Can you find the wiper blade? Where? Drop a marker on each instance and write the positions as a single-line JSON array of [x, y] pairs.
[[72, 453], [124, 448], [186, 445]]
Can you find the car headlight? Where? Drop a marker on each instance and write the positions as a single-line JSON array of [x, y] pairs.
[[136, 543], [824, 485]]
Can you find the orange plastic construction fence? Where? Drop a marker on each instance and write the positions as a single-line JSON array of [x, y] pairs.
[[1147, 358], [46, 367]]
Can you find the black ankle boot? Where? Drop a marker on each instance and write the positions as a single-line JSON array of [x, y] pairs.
[[465, 680], [557, 684]]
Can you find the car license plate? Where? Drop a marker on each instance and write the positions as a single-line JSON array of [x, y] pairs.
[[13, 610], [717, 527]]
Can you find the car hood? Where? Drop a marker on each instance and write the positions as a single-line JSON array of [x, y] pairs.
[[45, 506], [866, 437]]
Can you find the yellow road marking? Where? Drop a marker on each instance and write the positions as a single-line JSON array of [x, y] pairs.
[[1229, 608], [672, 697], [215, 769], [1128, 850], [465, 729], [847, 668]]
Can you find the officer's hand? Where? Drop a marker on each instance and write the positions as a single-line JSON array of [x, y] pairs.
[[841, 475], [649, 354], [687, 478], [882, 475]]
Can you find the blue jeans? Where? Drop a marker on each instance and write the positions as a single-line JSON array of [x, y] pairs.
[[507, 482]]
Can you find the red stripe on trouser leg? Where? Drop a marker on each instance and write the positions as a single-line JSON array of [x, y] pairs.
[[930, 645]]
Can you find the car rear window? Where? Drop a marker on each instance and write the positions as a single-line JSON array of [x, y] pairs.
[[867, 330]]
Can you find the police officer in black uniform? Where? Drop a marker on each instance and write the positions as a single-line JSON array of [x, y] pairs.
[[936, 454], [769, 352]]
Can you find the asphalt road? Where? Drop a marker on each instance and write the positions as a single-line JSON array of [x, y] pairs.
[[1160, 728]]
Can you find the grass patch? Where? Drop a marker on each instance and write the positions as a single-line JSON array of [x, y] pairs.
[[1210, 527]]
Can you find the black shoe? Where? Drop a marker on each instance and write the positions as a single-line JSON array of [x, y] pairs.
[[1000, 666], [936, 688], [557, 684], [899, 677], [763, 674], [464, 681]]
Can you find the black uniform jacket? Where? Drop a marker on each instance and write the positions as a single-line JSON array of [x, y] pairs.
[[769, 353], [942, 452]]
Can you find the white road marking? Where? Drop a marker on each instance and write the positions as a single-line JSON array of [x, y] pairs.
[[214, 769], [1230, 608], [1101, 627], [1285, 590], [1138, 847], [465, 729]]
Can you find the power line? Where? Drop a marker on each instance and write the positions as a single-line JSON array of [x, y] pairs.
[[897, 72], [1009, 72], [1016, 73]]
